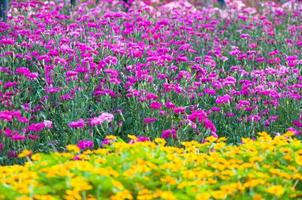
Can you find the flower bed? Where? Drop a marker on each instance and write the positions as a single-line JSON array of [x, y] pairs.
[[266, 168], [70, 75]]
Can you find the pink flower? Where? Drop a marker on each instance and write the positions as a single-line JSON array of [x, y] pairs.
[[150, 120], [197, 116], [223, 99], [104, 117], [179, 110], [215, 109], [209, 91], [169, 105], [107, 141], [47, 124], [71, 73], [22, 119], [77, 124], [169, 133], [22, 70], [140, 139], [18, 137], [6, 116], [76, 157], [26, 72], [33, 137], [155, 105], [296, 132], [209, 125], [151, 96], [201, 116], [85, 144], [297, 123], [37, 127]]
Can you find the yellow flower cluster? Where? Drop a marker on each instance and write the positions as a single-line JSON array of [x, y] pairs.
[[266, 168]]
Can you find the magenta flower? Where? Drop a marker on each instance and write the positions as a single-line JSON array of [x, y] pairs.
[[297, 123], [151, 96], [295, 131], [18, 137], [179, 110], [169, 105], [169, 133], [209, 125], [71, 73], [85, 144], [223, 99], [209, 91], [197, 116], [26, 72], [33, 137], [104, 117], [37, 127], [155, 105], [215, 109], [150, 120], [22, 119], [22, 70], [6, 116], [76, 157], [142, 139], [47, 124], [107, 141], [77, 124]]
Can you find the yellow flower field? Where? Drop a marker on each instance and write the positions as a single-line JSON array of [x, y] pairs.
[[267, 168]]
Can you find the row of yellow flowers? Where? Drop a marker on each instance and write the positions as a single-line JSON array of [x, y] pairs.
[[266, 168]]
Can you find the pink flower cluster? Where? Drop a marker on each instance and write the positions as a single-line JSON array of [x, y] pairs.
[[177, 71]]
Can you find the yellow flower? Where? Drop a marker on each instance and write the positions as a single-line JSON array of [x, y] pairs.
[[299, 160], [72, 195], [43, 197], [165, 195], [160, 141], [256, 159], [289, 134], [219, 194], [23, 198], [132, 137], [110, 137], [253, 183], [203, 196], [80, 184], [24, 153], [36, 157], [276, 190], [101, 151], [123, 195], [117, 184], [211, 139], [258, 197], [169, 180], [298, 157], [219, 146], [145, 194], [73, 148]]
